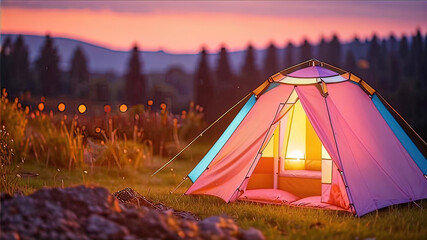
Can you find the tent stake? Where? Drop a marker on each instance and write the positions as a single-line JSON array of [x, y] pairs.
[[201, 134]]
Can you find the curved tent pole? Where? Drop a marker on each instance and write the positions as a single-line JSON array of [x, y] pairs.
[[201, 134], [341, 168]]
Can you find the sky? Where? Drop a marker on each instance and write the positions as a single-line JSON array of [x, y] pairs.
[[185, 27]]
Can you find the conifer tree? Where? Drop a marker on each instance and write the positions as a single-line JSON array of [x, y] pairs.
[[135, 83], [203, 86], [48, 68], [289, 55], [417, 58], [79, 74], [223, 70], [350, 62], [404, 56], [20, 70], [270, 62], [334, 51], [227, 88], [393, 43], [323, 51], [374, 58], [5, 63], [250, 75], [306, 51]]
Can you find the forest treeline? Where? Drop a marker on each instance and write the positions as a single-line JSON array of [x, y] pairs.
[[396, 67]]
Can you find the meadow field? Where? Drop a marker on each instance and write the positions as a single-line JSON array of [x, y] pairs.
[[45, 149]]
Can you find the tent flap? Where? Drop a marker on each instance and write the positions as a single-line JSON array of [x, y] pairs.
[[203, 164]]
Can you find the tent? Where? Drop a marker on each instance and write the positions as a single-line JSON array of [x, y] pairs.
[[314, 135]]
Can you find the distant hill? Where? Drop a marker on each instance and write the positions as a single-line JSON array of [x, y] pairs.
[[102, 59]]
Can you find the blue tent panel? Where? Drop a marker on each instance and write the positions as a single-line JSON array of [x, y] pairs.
[[207, 159], [404, 139]]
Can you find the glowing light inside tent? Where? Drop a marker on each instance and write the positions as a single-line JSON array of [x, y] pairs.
[[82, 108], [297, 135], [61, 107], [325, 154], [296, 154], [123, 108]]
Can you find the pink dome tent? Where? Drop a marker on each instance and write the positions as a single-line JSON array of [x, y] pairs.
[[314, 135]]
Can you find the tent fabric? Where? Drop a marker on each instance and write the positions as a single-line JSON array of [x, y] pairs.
[[324, 137], [313, 72], [201, 166], [381, 172], [229, 168], [401, 135], [268, 196]]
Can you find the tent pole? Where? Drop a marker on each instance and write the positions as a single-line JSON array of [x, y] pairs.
[[416, 204], [201, 134], [256, 159], [179, 185], [341, 170]]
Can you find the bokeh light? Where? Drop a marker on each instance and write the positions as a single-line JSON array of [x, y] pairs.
[[107, 108], [150, 102], [41, 107], [61, 107], [163, 106], [97, 129], [82, 108], [123, 108]]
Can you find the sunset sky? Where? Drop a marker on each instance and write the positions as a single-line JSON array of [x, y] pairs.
[[183, 27]]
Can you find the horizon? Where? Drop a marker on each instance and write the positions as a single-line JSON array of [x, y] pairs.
[[210, 51], [194, 25]]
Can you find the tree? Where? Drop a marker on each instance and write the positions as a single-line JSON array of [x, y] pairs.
[[350, 62], [404, 55], [323, 51], [48, 69], [135, 83], [19, 68], [334, 51], [289, 55], [416, 56], [250, 75], [203, 86], [79, 74], [270, 61], [306, 52], [5, 62], [227, 88], [223, 70], [374, 58], [393, 43]]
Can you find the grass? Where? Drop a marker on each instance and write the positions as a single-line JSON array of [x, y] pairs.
[[53, 147], [404, 221]]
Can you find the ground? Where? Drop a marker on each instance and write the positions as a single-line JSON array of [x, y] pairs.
[[406, 221]]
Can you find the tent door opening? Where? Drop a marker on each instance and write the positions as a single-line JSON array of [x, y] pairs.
[[294, 166]]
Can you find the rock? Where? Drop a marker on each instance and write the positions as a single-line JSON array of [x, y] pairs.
[[93, 213], [132, 198], [99, 226], [251, 234]]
